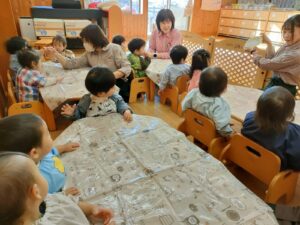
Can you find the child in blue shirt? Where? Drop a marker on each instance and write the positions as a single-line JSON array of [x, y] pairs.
[[29, 134], [270, 126]]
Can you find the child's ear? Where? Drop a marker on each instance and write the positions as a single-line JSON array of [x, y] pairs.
[[35, 192], [33, 64], [34, 155]]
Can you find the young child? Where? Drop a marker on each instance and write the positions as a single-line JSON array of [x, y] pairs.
[[13, 45], [270, 126], [24, 199], [29, 78], [200, 61], [285, 63], [178, 55], [208, 101], [120, 40], [60, 45], [102, 100], [31, 136], [138, 58]]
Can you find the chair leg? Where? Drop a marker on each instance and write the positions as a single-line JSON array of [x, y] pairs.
[[49, 117], [152, 91]]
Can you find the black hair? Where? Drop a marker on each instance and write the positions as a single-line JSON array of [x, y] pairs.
[[136, 44], [213, 81], [273, 110], [94, 34], [200, 60], [118, 39], [165, 14], [291, 23], [27, 56], [60, 39], [178, 52], [99, 79], [15, 44], [20, 133]]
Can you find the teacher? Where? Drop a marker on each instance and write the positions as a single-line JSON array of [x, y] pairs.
[[165, 36], [99, 52]]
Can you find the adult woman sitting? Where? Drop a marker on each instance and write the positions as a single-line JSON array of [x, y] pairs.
[[165, 36], [98, 52]]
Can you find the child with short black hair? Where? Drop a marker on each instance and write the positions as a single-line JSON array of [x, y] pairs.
[[13, 45], [28, 133], [102, 100], [200, 61], [207, 99], [60, 44], [270, 126], [120, 40], [24, 198], [178, 55], [29, 78], [138, 57]]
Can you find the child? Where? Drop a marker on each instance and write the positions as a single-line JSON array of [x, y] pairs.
[[285, 63], [120, 40], [270, 126], [13, 45], [29, 78], [31, 136], [102, 100], [138, 57], [24, 199], [208, 101], [200, 61], [178, 55], [60, 44]]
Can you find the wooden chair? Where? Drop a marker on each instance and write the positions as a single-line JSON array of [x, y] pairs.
[[194, 42], [35, 107], [182, 83], [170, 93], [139, 85], [11, 94], [180, 99], [9, 79], [229, 54], [262, 164], [202, 129]]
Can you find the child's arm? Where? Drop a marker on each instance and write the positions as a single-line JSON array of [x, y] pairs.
[[68, 147], [221, 117], [165, 79], [95, 213], [122, 107], [78, 111]]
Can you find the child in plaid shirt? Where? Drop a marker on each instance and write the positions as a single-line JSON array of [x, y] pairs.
[[29, 77]]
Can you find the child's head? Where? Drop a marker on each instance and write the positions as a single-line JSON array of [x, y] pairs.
[[15, 44], [213, 81], [137, 46], [178, 54], [291, 29], [22, 189], [29, 58], [59, 43], [100, 82], [26, 133], [275, 107], [200, 60], [119, 40]]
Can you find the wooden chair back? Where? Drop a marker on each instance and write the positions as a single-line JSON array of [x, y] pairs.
[[139, 85], [35, 107], [10, 94], [182, 83], [180, 99], [229, 54], [171, 94]]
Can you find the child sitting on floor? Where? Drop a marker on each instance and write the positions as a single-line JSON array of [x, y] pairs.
[[24, 199], [60, 45], [102, 100], [178, 55], [138, 58], [28, 133], [270, 126], [207, 99], [200, 61], [29, 78], [120, 40]]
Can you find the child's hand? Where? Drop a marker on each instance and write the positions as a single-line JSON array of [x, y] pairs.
[[72, 191], [49, 52], [68, 110], [127, 115], [98, 213], [69, 147]]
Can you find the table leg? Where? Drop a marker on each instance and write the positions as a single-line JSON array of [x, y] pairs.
[[152, 90], [49, 118]]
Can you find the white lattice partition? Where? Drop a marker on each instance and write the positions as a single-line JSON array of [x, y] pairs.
[[229, 54], [194, 42]]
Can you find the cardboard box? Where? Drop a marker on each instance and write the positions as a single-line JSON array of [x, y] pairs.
[[48, 27], [74, 27]]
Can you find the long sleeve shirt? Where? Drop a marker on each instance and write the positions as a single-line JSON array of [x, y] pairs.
[[171, 74]]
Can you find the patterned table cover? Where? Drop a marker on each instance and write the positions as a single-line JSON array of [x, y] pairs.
[[156, 68], [150, 174]]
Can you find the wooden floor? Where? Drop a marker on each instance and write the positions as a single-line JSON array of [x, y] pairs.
[[164, 112]]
